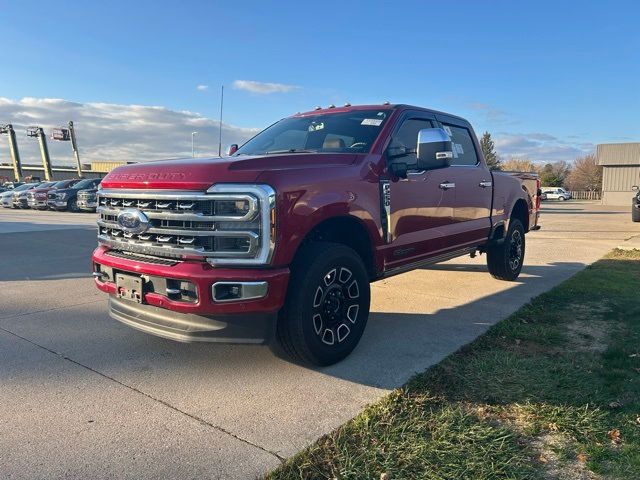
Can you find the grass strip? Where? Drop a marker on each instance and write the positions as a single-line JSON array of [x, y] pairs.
[[553, 391]]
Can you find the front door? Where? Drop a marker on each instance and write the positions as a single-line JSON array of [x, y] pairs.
[[422, 205]]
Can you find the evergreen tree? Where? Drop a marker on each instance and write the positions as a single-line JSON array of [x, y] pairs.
[[489, 152]]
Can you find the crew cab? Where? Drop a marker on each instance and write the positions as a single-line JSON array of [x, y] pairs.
[[280, 239]]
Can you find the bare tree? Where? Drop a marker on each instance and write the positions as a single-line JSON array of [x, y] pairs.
[[515, 164], [586, 174]]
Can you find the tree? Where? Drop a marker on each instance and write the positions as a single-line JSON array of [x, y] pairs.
[[519, 165], [489, 152], [554, 174], [585, 175]]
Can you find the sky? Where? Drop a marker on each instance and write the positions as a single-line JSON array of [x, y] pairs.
[[549, 80]]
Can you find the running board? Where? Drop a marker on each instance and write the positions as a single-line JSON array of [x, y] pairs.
[[429, 261]]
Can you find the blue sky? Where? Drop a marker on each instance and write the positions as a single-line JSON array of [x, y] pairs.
[[548, 79]]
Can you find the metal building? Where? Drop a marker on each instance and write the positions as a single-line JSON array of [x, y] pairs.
[[620, 171]]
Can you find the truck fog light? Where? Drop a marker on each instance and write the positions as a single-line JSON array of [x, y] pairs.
[[230, 291]]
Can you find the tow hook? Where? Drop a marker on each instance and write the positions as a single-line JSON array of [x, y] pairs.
[[98, 276]]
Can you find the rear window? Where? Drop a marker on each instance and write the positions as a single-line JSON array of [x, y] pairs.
[[464, 151]]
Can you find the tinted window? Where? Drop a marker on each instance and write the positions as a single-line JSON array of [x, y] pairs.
[[464, 152], [407, 138], [348, 132], [87, 183]]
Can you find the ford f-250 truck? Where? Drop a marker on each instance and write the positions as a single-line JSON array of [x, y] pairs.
[[281, 238]]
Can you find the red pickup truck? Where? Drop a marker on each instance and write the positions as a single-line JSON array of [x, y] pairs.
[[281, 238]]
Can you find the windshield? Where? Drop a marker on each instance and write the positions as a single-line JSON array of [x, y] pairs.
[[84, 183], [344, 132], [25, 186]]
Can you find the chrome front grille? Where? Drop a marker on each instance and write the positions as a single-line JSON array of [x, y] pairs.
[[183, 224]]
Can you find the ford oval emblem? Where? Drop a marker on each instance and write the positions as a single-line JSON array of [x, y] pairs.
[[133, 221]]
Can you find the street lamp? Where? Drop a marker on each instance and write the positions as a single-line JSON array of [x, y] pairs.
[[193, 150]]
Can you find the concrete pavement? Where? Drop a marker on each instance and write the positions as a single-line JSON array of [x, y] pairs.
[[82, 395]]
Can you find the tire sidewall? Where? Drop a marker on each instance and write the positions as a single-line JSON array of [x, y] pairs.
[[307, 278], [514, 225]]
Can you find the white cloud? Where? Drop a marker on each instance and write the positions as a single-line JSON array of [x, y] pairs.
[[262, 88], [108, 131], [202, 88], [540, 147]]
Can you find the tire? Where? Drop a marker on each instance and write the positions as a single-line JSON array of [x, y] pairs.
[[562, 199], [327, 304], [72, 205], [635, 212], [505, 260]]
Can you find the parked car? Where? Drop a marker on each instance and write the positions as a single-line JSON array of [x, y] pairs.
[[556, 193], [17, 198], [37, 197], [635, 204], [12, 185], [88, 199], [67, 198], [285, 235]]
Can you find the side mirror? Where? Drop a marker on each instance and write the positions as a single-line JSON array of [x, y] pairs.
[[635, 188], [231, 149], [434, 150]]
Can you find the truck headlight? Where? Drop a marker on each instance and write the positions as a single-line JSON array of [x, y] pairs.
[[246, 236]]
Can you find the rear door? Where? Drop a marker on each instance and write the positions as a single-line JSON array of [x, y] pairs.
[[473, 185], [421, 205]]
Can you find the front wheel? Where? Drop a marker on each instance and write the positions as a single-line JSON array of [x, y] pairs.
[[505, 259], [72, 205], [562, 199], [327, 304], [635, 213]]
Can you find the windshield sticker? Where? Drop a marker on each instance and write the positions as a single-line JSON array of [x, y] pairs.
[[459, 148], [376, 122], [448, 130], [315, 126]]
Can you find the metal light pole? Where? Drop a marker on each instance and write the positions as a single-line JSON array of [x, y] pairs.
[[38, 132], [13, 149], [74, 145], [220, 126], [193, 148]]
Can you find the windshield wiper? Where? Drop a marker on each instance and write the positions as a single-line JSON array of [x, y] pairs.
[[290, 150]]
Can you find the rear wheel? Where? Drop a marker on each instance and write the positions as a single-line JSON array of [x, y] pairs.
[[505, 260], [327, 304], [562, 199], [635, 212]]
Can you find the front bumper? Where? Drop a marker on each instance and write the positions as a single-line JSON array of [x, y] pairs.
[[241, 321], [84, 205], [38, 204], [57, 204], [20, 203]]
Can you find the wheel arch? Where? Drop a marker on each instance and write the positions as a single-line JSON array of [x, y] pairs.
[[346, 230]]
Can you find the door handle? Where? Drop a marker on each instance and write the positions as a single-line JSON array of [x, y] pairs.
[[447, 185], [485, 184]]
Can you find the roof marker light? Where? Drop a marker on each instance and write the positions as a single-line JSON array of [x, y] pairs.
[[347, 104], [386, 102], [332, 106], [318, 107]]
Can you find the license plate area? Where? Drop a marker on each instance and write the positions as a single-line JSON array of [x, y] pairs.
[[130, 287]]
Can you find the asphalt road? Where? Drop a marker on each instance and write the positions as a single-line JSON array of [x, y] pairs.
[[82, 396]]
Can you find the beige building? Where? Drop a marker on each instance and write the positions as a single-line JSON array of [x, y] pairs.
[[620, 171]]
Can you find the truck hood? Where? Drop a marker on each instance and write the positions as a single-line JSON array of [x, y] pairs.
[[201, 173]]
